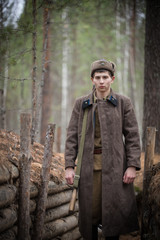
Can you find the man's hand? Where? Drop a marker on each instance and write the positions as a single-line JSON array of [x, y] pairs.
[[69, 175], [129, 175]]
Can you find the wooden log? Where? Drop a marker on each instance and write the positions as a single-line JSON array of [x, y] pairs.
[[8, 217], [56, 188], [42, 196], [149, 158], [58, 212], [54, 201], [14, 172], [32, 207], [71, 235], [7, 173], [59, 227], [58, 199], [24, 186], [9, 234], [4, 174], [33, 190], [7, 194], [53, 188]]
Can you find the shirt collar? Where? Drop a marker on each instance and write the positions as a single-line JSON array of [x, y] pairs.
[[95, 97]]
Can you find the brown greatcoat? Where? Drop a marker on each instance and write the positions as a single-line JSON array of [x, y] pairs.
[[120, 149]]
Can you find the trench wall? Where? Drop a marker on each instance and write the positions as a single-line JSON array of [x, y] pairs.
[[58, 223]]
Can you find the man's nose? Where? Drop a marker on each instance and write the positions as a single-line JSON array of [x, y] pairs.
[[101, 80]]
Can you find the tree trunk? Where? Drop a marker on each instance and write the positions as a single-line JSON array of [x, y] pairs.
[[132, 60], [149, 159], [44, 79], [24, 186], [126, 49], [132, 51], [34, 75], [47, 87], [151, 114], [42, 196], [118, 46], [65, 79], [1, 109], [3, 71]]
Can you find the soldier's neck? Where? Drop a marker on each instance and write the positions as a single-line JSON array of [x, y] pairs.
[[102, 95]]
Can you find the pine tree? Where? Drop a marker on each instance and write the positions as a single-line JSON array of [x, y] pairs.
[[151, 117]]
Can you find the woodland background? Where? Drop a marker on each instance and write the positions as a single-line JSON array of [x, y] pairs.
[[45, 58]]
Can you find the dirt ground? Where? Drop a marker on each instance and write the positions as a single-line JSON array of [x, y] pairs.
[[10, 149]]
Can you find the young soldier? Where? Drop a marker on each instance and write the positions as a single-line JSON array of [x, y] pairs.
[[111, 156]]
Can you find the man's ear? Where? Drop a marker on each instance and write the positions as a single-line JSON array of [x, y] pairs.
[[92, 79], [113, 79]]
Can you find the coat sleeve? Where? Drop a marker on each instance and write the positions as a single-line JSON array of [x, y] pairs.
[[131, 134], [71, 145]]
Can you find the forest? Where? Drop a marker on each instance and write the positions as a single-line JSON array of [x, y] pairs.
[[47, 52]]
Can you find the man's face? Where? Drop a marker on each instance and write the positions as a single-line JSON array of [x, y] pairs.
[[102, 81]]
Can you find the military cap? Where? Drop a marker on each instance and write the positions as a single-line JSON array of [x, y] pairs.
[[103, 64]]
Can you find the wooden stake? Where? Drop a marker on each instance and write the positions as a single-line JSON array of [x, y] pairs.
[[149, 160], [59, 139], [24, 186], [42, 197]]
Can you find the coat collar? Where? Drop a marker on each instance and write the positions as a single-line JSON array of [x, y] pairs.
[[89, 100]]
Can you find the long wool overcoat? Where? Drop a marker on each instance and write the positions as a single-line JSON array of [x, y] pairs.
[[120, 150]]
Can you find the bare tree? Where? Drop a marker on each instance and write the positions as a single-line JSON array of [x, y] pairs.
[[46, 81], [42, 104], [118, 45], [132, 50], [65, 80], [34, 74], [3, 69]]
